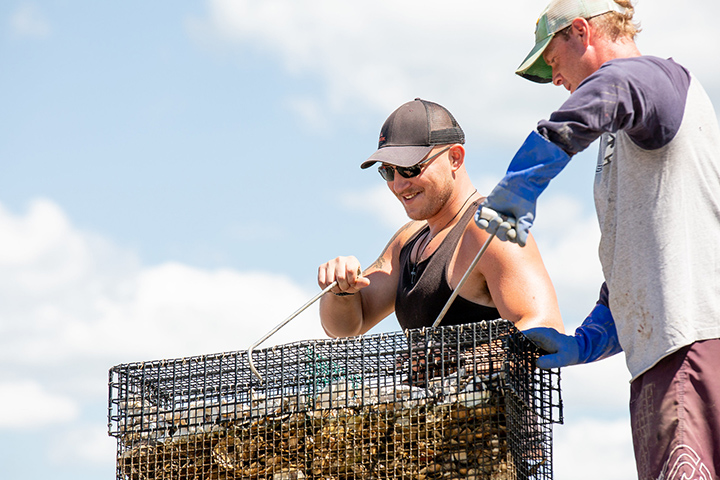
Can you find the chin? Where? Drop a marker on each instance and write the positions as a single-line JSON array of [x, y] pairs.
[[418, 215], [413, 216]]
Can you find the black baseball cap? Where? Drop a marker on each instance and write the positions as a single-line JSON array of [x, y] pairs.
[[411, 131]]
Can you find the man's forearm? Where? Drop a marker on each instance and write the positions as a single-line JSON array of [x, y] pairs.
[[342, 316]]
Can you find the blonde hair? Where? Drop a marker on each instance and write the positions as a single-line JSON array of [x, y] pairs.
[[613, 25]]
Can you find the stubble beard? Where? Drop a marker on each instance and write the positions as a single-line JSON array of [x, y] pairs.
[[434, 204]]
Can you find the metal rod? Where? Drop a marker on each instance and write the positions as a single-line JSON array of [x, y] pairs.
[[462, 281], [282, 324]]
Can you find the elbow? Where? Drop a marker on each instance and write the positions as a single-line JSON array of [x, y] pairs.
[[340, 330], [328, 332], [549, 320]]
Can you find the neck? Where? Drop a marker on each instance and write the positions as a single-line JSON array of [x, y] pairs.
[[451, 210], [621, 48]]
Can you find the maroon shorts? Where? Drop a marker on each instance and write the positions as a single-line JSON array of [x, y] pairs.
[[675, 415]]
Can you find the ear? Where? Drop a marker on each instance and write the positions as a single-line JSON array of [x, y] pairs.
[[457, 156], [581, 29]]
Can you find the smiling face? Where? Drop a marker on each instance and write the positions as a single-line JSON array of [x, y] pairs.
[[424, 196]]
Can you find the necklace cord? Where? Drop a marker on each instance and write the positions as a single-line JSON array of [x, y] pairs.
[[418, 256]]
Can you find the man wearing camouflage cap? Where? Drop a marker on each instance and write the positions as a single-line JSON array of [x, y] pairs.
[[657, 196]]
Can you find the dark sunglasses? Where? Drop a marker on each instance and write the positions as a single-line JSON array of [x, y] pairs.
[[388, 171]]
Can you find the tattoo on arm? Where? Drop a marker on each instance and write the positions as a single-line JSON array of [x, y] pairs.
[[378, 264], [381, 260]]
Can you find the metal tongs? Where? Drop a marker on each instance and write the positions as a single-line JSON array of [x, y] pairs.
[[282, 324], [485, 213], [285, 322], [489, 215]]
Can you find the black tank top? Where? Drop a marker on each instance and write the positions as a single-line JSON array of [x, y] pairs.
[[418, 305]]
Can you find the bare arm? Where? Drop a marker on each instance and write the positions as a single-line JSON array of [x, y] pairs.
[[372, 294], [513, 279]]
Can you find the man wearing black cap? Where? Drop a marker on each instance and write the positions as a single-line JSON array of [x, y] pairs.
[[421, 158]]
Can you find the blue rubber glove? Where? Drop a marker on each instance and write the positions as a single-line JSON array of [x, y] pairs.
[[536, 163], [594, 340], [488, 219]]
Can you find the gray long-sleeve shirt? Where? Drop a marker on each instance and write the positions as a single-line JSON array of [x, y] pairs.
[[657, 196]]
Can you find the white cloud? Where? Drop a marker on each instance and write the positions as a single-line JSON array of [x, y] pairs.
[[29, 21], [67, 293], [378, 202], [376, 55], [568, 237], [82, 445], [377, 61], [687, 35], [40, 240], [598, 389], [27, 404], [190, 311], [485, 183], [73, 305], [594, 449], [309, 111]]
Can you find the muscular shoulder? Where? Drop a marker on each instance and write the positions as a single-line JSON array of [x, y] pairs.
[[391, 252], [406, 232]]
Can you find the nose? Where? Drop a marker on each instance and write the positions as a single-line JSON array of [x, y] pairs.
[[399, 184], [557, 79]]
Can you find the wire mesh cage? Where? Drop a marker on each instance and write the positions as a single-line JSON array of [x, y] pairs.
[[462, 401]]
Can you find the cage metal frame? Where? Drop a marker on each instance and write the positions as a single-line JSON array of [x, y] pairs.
[[208, 393]]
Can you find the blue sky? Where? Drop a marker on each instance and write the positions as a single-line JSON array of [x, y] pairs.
[[172, 173]]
